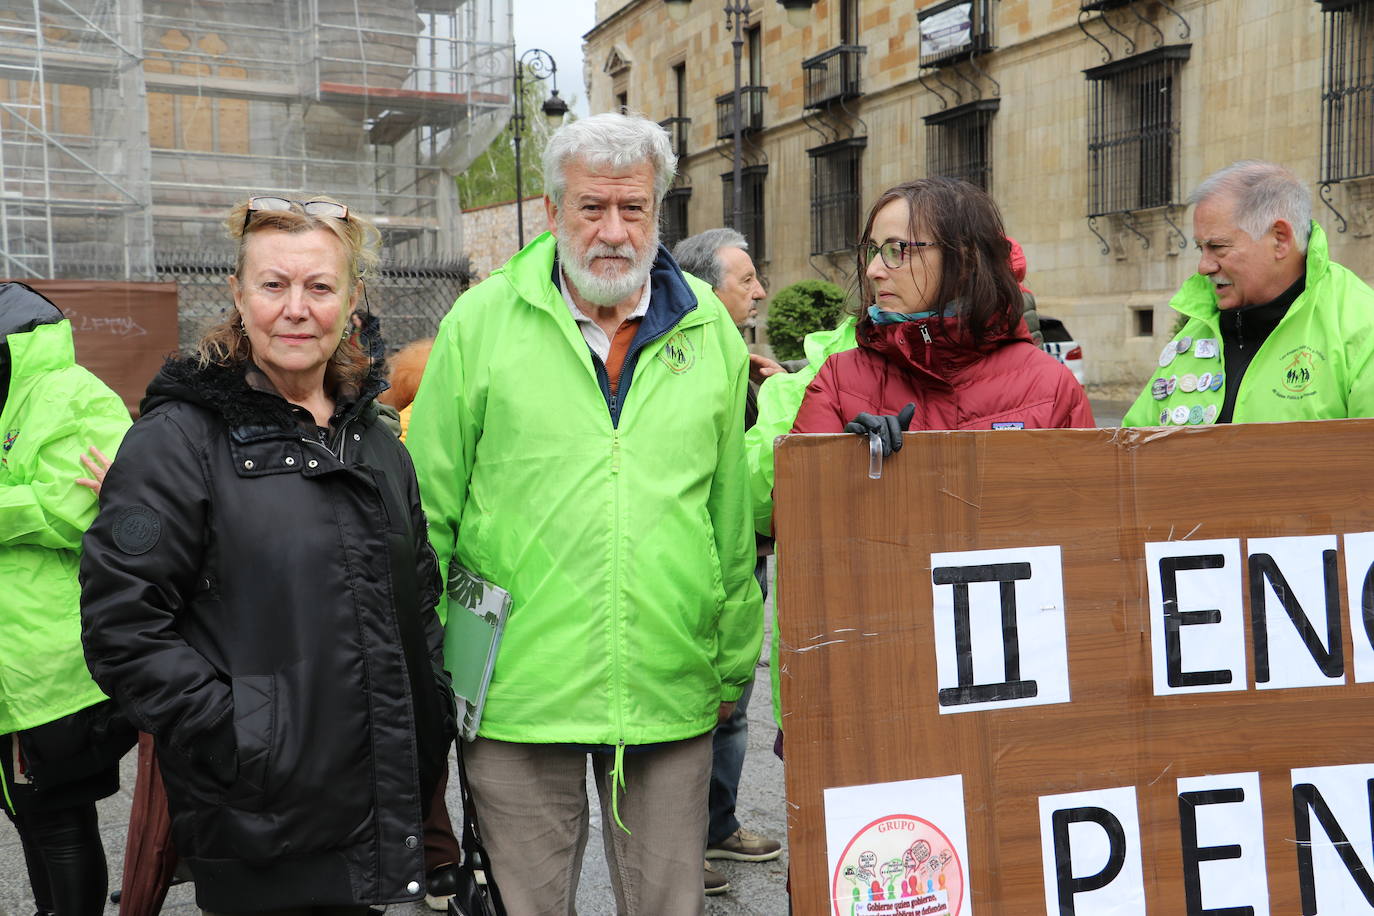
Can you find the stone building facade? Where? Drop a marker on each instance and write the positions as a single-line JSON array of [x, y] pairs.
[[490, 233], [1090, 121]]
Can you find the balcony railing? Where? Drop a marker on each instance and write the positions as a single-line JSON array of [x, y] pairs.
[[678, 130], [751, 101], [834, 76], [955, 30], [1102, 5]]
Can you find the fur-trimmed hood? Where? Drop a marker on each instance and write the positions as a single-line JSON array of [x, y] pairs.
[[225, 391]]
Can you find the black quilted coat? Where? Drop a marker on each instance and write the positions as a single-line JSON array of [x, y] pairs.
[[263, 604]]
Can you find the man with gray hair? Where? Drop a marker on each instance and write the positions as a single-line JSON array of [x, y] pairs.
[[1276, 330], [578, 436], [721, 258]]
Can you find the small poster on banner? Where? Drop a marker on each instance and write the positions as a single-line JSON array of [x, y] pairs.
[[898, 848]]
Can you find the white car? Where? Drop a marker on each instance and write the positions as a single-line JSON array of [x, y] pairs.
[[1060, 344]]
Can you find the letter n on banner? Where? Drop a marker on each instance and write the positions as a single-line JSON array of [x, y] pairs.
[[999, 628], [1333, 824]]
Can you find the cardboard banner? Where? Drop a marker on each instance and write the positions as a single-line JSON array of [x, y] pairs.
[[1080, 671], [122, 331]]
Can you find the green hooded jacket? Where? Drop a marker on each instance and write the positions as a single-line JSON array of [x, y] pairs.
[[1314, 366], [626, 545], [55, 409], [780, 396]]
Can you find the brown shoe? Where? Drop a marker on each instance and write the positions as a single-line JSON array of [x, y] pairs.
[[716, 883], [745, 846]]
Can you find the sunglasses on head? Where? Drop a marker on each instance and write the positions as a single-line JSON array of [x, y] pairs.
[[309, 207]]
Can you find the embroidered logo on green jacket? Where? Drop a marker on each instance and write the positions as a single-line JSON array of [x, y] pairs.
[[10, 436], [1301, 367], [678, 354]]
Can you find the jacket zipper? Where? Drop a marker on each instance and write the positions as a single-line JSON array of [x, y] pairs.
[[617, 674]]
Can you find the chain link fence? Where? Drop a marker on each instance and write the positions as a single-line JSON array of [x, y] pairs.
[[410, 297]]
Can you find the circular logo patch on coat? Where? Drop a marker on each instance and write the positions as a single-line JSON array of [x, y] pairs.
[[678, 354], [136, 529], [1298, 372]]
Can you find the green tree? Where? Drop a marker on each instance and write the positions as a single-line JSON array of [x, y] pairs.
[[490, 179], [798, 310]]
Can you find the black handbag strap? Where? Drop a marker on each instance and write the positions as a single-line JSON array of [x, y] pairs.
[[472, 838]]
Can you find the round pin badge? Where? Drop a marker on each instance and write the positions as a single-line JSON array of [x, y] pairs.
[[1180, 415], [1182, 344], [1164, 417], [1209, 414], [1195, 414], [1173, 383], [1206, 348], [1166, 356], [1204, 381], [1160, 388], [1187, 383], [1217, 381]]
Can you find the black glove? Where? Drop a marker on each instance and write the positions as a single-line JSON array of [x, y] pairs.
[[887, 427]]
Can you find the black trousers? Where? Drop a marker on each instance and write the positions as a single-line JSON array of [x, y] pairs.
[[65, 859]]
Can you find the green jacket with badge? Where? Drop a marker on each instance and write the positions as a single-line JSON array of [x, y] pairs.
[[1315, 365], [53, 411], [779, 398], [619, 524]]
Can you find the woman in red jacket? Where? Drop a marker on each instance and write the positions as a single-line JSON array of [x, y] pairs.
[[941, 343]]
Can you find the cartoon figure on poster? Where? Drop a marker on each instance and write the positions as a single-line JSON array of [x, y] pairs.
[[920, 874]]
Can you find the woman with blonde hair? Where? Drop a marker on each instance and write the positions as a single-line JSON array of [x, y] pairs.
[[258, 591]]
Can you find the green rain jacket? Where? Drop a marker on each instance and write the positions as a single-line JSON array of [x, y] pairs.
[[780, 396], [55, 409], [625, 545], [1314, 366]]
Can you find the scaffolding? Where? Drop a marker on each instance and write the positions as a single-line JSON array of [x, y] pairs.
[[129, 127]]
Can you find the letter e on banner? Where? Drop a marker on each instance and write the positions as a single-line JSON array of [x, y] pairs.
[[1332, 807], [999, 628], [1197, 625], [1090, 850], [1221, 830]]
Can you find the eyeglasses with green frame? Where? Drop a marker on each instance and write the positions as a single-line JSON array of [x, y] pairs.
[[309, 207], [892, 252]]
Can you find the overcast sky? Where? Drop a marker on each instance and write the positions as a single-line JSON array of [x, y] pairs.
[[557, 26]]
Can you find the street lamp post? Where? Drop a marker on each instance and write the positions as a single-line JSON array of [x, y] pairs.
[[736, 16], [539, 65]]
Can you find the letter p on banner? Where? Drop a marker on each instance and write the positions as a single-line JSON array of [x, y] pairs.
[[1090, 850]]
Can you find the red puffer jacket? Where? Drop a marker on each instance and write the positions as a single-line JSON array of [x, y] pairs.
[[954, 384]]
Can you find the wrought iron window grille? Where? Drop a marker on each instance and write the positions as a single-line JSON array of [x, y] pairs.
[[673, 216], [834, 76], [751, 104], [954, 31], [1347, 131], [678, 131], [836, 200], [752, 217], [1133, 138], [959, 142]]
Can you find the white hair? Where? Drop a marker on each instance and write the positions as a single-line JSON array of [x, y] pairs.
[[611, 140], [699, 255], [1263, 192]]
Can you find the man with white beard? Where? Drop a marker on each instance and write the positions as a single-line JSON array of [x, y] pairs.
[[579, 441]]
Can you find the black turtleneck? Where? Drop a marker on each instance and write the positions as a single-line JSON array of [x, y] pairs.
[[1243, 331]]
